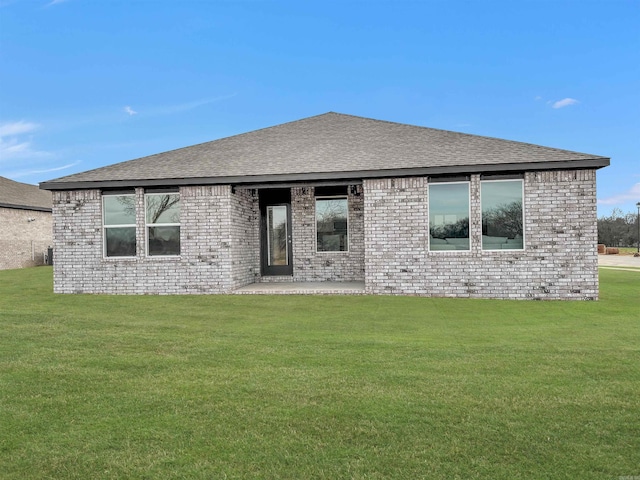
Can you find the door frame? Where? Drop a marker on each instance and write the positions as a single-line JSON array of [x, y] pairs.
[[274, 197]]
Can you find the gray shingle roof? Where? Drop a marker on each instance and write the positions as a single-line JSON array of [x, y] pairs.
[[22, 195], [329, 146]]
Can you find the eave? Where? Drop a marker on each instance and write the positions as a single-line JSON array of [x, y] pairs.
[[356, 176], [25, 207]]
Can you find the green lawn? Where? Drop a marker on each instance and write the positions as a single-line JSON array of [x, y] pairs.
[[267, 387]]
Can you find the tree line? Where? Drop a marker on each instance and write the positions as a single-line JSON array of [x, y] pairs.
[[618, 229]]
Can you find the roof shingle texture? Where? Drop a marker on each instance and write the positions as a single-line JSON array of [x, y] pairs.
[[331, 142], [18, 194]]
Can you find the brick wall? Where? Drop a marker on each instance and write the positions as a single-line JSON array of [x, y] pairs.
[[245, 237], [215, 255], [312, 266], [24, 237], [559, 260], [388, 243]]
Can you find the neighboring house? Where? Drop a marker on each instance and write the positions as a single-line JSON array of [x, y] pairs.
[[399, 208], [25, 224]]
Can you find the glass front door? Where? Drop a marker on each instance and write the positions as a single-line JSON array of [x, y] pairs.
[[275, 236]]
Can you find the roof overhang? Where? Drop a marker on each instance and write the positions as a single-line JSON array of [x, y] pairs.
[[25, 207], [355, 176]]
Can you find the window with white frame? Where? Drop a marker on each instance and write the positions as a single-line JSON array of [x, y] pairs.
[[162, 217], [119, 224], [502, 214], [449, 216], [332, 224]]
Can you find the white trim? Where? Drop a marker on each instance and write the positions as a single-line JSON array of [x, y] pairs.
[[315, 223], [524, 244], [468, 183]]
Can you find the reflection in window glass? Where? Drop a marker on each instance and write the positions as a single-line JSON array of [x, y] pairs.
[[449, 216], [119, 214], [502, 220], [163, 223], [119, 209], [332, 224], [277, 237], [120, 241]]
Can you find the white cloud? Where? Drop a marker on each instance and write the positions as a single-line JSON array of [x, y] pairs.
[[183, 107], [55, 2], [631, 195], [16, 128], [25, 173], [13, 147], [565, 102], [538, 98], [130, 110]]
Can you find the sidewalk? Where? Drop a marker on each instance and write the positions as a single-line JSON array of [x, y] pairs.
[[618, 261]]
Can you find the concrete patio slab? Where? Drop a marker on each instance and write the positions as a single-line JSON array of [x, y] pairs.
[[302, 288]]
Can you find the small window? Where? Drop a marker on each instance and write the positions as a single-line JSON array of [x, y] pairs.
[[502, 214], [163, 223], [448, 216], [119, 224], [332, 224]]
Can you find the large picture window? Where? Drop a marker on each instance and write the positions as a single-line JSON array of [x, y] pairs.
[[332, 224], [119, 225], [449, 216], [162, 223], [502, 214]]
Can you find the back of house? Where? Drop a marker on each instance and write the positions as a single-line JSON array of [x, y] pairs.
[[395, 208]]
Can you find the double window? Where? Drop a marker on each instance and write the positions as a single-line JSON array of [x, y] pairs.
[[501, 204], [332, 224], [162, 224]]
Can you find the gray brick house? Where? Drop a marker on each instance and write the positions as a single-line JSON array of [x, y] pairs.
[[385, 207], [25, 224]]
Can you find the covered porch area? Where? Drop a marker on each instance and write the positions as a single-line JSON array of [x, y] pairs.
[[300, 238]]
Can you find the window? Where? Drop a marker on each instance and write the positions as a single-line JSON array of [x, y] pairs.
[[449, 216], [119, 224], [502, 214], [163, 223], [332, 224]]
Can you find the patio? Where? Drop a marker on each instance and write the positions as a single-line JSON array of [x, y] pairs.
[[302, 288]]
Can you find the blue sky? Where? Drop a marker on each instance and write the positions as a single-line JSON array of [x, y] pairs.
[[87, 83]]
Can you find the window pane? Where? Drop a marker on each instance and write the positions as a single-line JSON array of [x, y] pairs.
[[164, 240], [119, 209], [502, 225], [449, 216], [331, 220], [277, 235], [120, 241], [163, 208]]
